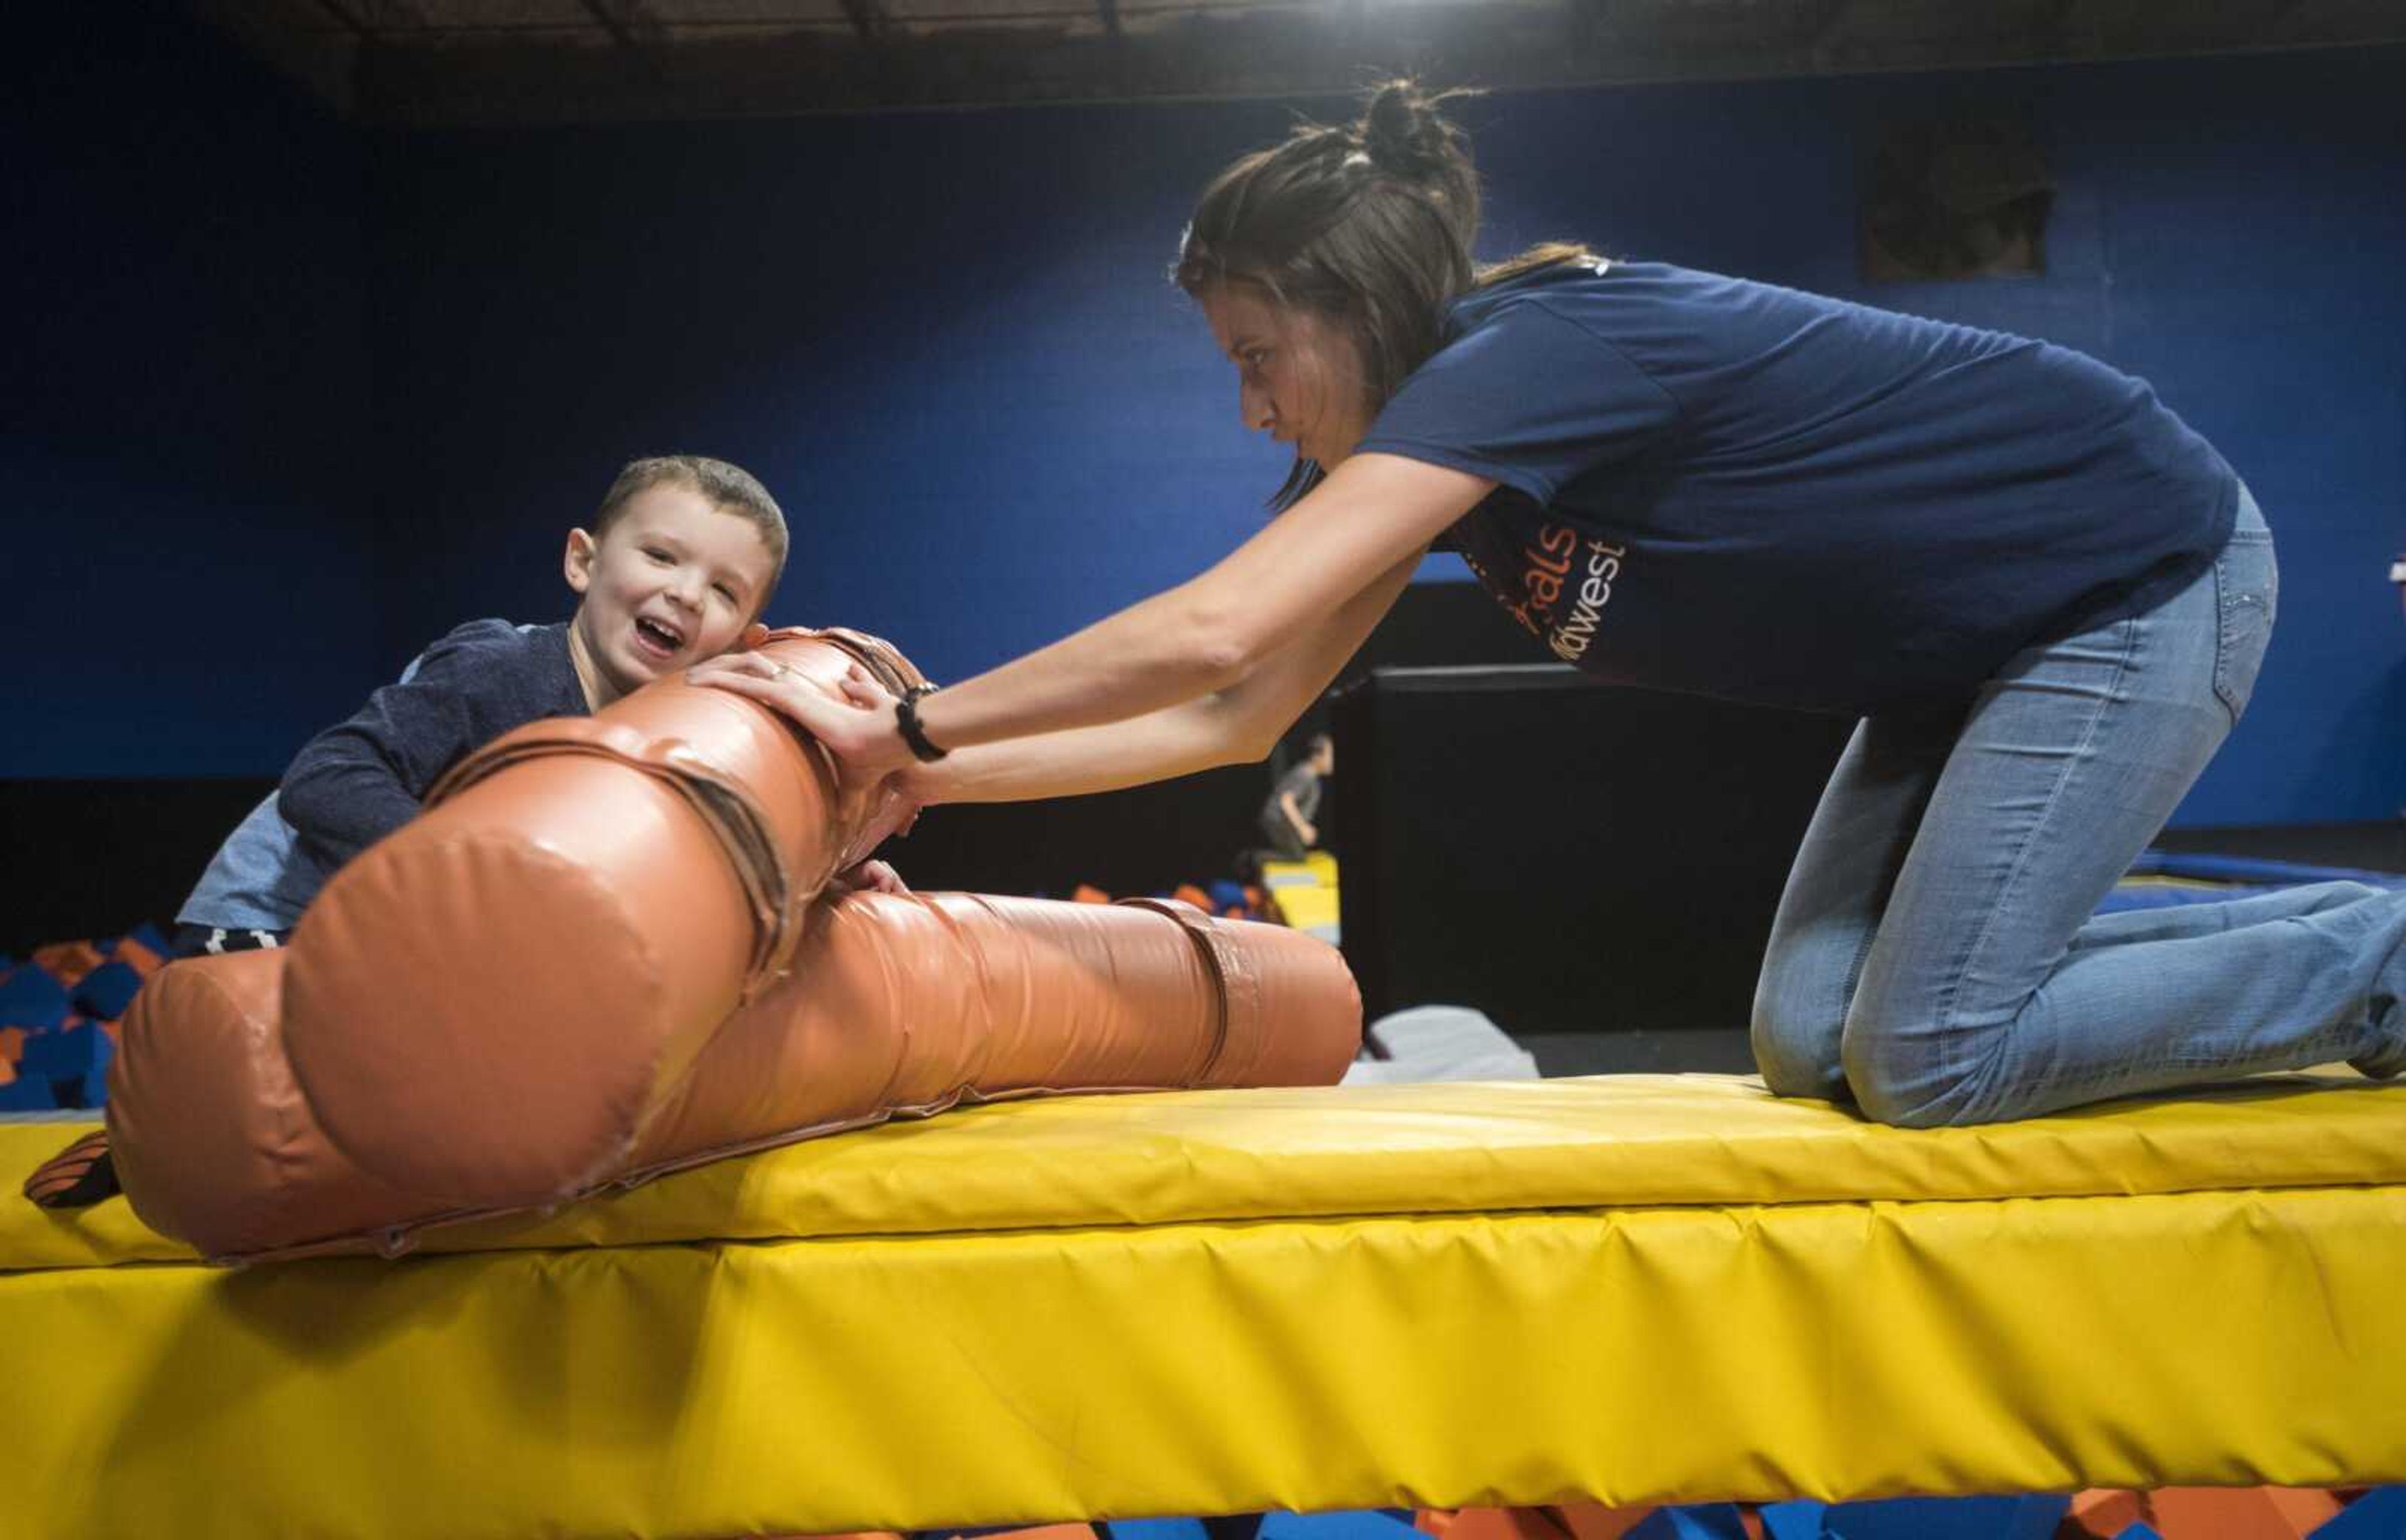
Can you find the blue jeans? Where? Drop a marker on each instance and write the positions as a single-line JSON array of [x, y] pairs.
[[1937, 958]]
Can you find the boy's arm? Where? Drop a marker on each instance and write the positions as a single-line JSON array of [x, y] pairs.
[[1295, 819], [359, 780], [343, 792]]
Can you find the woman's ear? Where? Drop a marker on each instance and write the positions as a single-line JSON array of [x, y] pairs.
[[576, 563]]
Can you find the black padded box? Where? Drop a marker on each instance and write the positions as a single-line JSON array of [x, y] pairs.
[[1565, 856]]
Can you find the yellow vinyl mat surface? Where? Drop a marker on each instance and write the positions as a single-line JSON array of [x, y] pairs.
[[1306, 893], [1629, 1289]]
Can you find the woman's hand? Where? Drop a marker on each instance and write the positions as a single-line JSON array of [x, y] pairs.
[[854, 719], [873, 876]]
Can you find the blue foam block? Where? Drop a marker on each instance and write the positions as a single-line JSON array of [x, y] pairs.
[[1154, 1529], [2139, 1532], [149, 936], [94, 1090], [1227, 895], [1363, 1525], [31, 999], [64, 1056], [28, 1094], [1949, 1519], [108, 990], [2378, 1515], [1797, 1520], [1693, 1522]]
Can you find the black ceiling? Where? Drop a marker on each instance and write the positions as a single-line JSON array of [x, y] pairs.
[[448, 62]]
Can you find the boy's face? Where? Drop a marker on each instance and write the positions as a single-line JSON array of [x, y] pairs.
[[674, 580]]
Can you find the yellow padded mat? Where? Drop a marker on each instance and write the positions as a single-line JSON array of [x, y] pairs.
[[1628, 1288], [1306, 892]]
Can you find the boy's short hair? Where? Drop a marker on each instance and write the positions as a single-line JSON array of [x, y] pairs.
[[728, 489]]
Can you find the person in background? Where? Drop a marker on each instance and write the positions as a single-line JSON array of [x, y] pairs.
[[1287, 817]]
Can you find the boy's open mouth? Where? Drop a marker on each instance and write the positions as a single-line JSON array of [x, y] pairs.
[[656, 639]]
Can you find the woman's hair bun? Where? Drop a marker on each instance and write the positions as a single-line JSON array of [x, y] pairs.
[[1404, 135]]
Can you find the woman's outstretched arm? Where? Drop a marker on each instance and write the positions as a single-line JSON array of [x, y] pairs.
[[1202, 640], [1234, 726], [1238, 724], [1207, 634]]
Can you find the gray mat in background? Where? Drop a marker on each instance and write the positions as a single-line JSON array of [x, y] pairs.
[[1710, 1051]]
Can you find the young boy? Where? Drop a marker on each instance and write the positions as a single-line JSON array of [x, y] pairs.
[[680, 560]]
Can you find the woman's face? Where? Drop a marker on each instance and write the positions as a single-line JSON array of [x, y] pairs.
[[1301, 378]]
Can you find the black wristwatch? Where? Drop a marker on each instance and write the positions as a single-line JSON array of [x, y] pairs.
[[906, 717]]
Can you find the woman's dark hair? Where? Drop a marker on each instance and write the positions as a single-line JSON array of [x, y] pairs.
[[1368, 225]]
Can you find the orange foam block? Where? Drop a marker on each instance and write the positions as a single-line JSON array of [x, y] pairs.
[[2247, 1513], [1491, 1525], [68, 961], [2203, 1513], [1574, 1521]]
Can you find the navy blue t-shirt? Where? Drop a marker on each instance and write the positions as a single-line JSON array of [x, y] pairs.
[[1734, 490]]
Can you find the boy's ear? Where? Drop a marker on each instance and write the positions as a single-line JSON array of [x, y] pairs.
[[577, 562]]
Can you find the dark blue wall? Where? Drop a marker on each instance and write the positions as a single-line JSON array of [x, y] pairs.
[[184, 411], [944, 341], [2231, 229]]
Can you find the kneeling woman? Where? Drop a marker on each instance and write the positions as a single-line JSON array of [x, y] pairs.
[[2044, 596]]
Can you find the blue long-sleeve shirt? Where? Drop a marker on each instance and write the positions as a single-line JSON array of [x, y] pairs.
[[360, 779]]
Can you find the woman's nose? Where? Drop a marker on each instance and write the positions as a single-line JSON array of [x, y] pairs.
[[1254, 404]]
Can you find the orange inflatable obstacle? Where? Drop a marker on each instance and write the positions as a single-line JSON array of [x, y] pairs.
[[602, 953]]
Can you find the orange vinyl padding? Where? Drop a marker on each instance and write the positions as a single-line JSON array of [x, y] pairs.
[[603, 953]]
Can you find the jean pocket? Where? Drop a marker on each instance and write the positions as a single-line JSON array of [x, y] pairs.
[[2247, 597]]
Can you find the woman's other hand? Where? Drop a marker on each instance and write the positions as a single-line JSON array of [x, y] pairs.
[[852, 717], [873, 876]]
